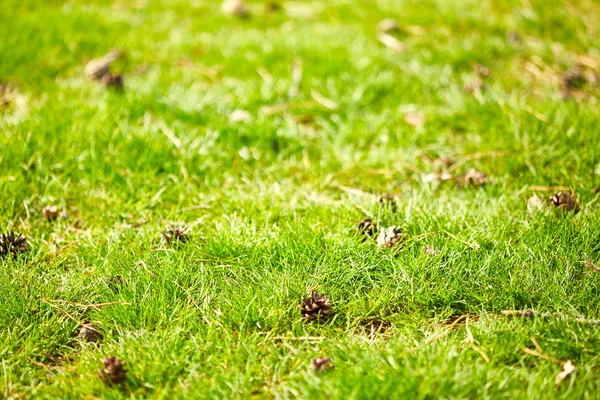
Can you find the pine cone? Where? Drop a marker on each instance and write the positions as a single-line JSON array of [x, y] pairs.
[[97, 68], [12, 244], [321, 364], [316, 307], [367, 228], [89, 333], [574, 78], [388, 201], [50, 213], [475, 178], [113, 81], [565, 201], [113, 371], [389, 237], [174, 234]]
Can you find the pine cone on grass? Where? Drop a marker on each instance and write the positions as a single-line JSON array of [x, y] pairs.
[[89, 333], [316, 308], [389, 237], [113, 371], [97, 68], [321, 364], [474, 178], [565, 201], [12, 244], [176, 234], [50, 213], [113, 81], [367, 228], [388, 201]]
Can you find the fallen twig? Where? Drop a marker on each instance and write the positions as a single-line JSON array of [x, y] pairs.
[[58, 308], [541, 355], [143, 264], [593, 266], [97, 305], [301, 338]]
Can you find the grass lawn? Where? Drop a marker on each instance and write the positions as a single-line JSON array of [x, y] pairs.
[[270, 138]]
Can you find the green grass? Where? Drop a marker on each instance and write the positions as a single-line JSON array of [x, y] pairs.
[[273, 203]]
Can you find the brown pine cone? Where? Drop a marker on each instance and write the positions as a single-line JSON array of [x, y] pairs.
[[12, 244], [176, 233], [113, 81], [113, 371], [321, 364], [316, 308], [565, 201], [89, 333], [367, 228], [389, 237]]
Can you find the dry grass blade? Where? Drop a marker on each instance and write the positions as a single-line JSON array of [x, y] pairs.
[[296, 78], [531, 313], [324, 101], [439, 335], [471, 245], [590, 264], [471, 340], [143, 265], [391, 42]]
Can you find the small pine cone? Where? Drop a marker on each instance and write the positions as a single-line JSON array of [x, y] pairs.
[[113, 81], [389, 237], [316, 307], [113, 371], [176, 234], [367, 228], [89, 333], [475, 178], [50, 213], [12, 244], [97, 68], [574, 78], [565, 201], [388, 201], [321, 364]]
